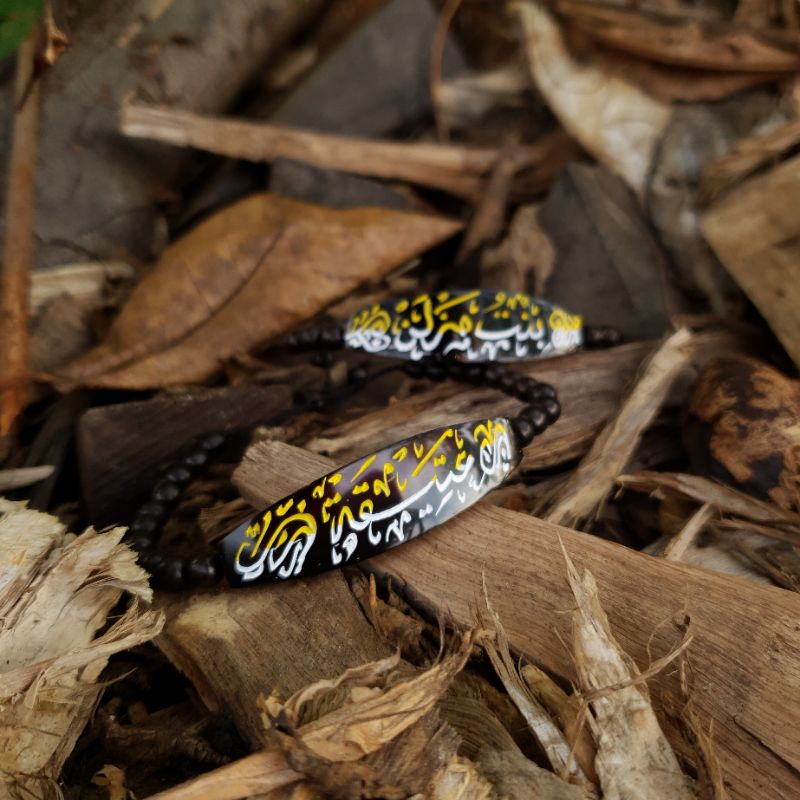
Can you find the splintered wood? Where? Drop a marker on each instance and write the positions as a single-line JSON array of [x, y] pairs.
[[56, 592], [750, 706]]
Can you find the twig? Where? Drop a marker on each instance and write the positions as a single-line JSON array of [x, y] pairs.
[[437, 56], [455, 169], [18, 251], [677, 546]]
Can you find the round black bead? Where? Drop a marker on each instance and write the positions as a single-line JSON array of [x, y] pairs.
[[205, 570], [523, 430], [538, 418], [552, 408], [166, 492], [151, 561], [332, 337], [178, 475], [196, 460], [212, 442], [314, 401], [169, 575], [140, 543], [492, 375], [357, 375], [507, 382], [474, 373], [523, 386], [543, 390], [322, 358], [414, 369], [435, 370], [154, 509], [143, 526]]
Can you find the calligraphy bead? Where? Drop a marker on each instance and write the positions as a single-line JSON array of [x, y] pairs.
[[523, 430], [203, 570], [143, 526], [212, 442], [166, 492], [178, 475]]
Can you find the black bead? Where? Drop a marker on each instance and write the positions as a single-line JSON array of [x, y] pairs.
[[538, 418], [212, 442], [552, 408], [203, 570], [322, 358], [196, 460], [309, 337], [151, 561], [523, 386], [474, 374], [166, 492], [154, 509], [143, 526], [435, 370], [357, 375], [507, 382], [492, 375], [543, 390], [523, 430], [314, 401], [140, 543], [169, 575], [332, 337], [178, 475]]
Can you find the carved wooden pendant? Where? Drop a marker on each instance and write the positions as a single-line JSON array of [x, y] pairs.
[[372, 504], [478, 325]]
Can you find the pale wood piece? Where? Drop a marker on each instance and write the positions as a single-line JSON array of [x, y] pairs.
[[755, 233], [581, 497], [589, 385], [744, 661], [56, 592], [235, 644]]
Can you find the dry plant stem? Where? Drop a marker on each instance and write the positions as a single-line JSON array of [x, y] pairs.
[[256, 774], [752, 702], [580, 498], [677, 546], [25, 476], [452, 168], [17, 264], [725, 527], [437, 56]]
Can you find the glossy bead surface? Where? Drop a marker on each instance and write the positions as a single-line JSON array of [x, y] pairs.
[[507, 382], [205, 570], [552, 407], [538, 419], [212, 442], [143, 526], [492, 375], [154, 509], [166, 492], [196, 460], [523, 430], [151, 561], [435, 370], [169, 575], [140, 543]]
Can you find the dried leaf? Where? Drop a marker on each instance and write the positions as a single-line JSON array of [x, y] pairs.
[[243, 276], [113, 779], [611, 118], [685, 41], [634, 758]]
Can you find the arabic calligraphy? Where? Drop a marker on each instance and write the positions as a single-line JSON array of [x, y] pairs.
[[373, 504], [478, 325]]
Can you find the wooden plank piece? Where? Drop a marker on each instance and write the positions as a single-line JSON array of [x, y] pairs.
[[744, 662], [755, 232]]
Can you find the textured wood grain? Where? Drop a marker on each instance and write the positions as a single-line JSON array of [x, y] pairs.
[[233, 644], [590, 386], [744, 662], [755, 231]]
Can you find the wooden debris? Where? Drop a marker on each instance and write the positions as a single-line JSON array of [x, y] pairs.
[[121, 447], [634, 758], [524, 569], [756, 225], [25, 476], [580, 498], [86, 281], [611, 118], [56, 593], [451, 168], [17, 261], [741, 428]]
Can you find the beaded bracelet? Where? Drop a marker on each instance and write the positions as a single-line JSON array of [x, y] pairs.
[[404, 490]]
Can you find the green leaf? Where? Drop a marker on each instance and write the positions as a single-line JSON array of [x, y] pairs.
[[17, 17]]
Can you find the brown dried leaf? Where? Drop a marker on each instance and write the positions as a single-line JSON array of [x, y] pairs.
[[611, 118], [685, 41], [243, 276]]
